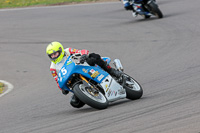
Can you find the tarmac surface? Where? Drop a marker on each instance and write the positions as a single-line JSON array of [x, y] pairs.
[[161, 54]]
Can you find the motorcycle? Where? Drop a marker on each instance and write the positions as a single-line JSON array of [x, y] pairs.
[[151, 9], [94, 86]]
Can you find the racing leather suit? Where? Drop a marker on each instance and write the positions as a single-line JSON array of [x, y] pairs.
[[68, 52]]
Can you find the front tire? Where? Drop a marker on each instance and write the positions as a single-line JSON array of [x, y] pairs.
[[86, 95]]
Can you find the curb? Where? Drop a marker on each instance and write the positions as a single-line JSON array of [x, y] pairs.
[[5, 87]]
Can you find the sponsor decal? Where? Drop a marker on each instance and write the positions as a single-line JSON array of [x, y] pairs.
[[93, 73], [109, 93], [84, 70], [100, 77], [115, 92], [73, 50], [69, 62], [107, 88], [54, 74]]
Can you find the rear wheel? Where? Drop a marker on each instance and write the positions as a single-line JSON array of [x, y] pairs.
[[90, 96], [133, 88], [155, 10]]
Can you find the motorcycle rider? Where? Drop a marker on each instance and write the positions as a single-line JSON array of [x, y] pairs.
[[57, 53], [137, 5]]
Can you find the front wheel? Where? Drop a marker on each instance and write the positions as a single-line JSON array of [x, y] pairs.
[[90, 96], [133, 88]]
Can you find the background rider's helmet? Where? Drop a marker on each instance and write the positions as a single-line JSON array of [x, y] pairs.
[[54, 47]]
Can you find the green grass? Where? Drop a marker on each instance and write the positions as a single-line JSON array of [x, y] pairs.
[[25, 3]]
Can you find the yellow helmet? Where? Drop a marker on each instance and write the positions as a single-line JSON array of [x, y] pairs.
[[54, 47]]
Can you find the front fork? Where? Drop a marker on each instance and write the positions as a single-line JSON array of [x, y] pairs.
[[83, 78], [92, 89]]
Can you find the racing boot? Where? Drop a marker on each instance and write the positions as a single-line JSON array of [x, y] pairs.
[[76, 103], [74, 99], [115, 73], [110, 70], [134, 14]]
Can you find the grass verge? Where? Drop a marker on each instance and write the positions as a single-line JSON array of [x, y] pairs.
[[1, 87], [26, 3]]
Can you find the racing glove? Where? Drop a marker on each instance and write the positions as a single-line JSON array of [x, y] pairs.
[[83, 58]]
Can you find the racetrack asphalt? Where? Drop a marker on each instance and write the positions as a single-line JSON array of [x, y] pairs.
[[161, 54]]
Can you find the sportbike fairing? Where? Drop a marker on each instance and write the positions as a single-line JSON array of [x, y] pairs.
[[69, 68], [112, 89]]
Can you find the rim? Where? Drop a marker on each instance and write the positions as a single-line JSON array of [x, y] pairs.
[[132, 84], [99, 97]]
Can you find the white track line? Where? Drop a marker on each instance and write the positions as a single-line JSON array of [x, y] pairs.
[[9, 85]]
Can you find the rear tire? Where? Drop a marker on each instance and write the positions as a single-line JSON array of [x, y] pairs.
[[133, 88], [85, 94], [155, 10]]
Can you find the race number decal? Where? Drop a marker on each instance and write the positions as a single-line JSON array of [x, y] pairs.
[[64, 71], [60, 75]]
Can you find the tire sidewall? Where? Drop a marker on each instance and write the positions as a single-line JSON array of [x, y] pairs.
[[85, 99], [133, 94]]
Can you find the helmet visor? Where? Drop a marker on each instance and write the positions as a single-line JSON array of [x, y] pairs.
[[54, 55]]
